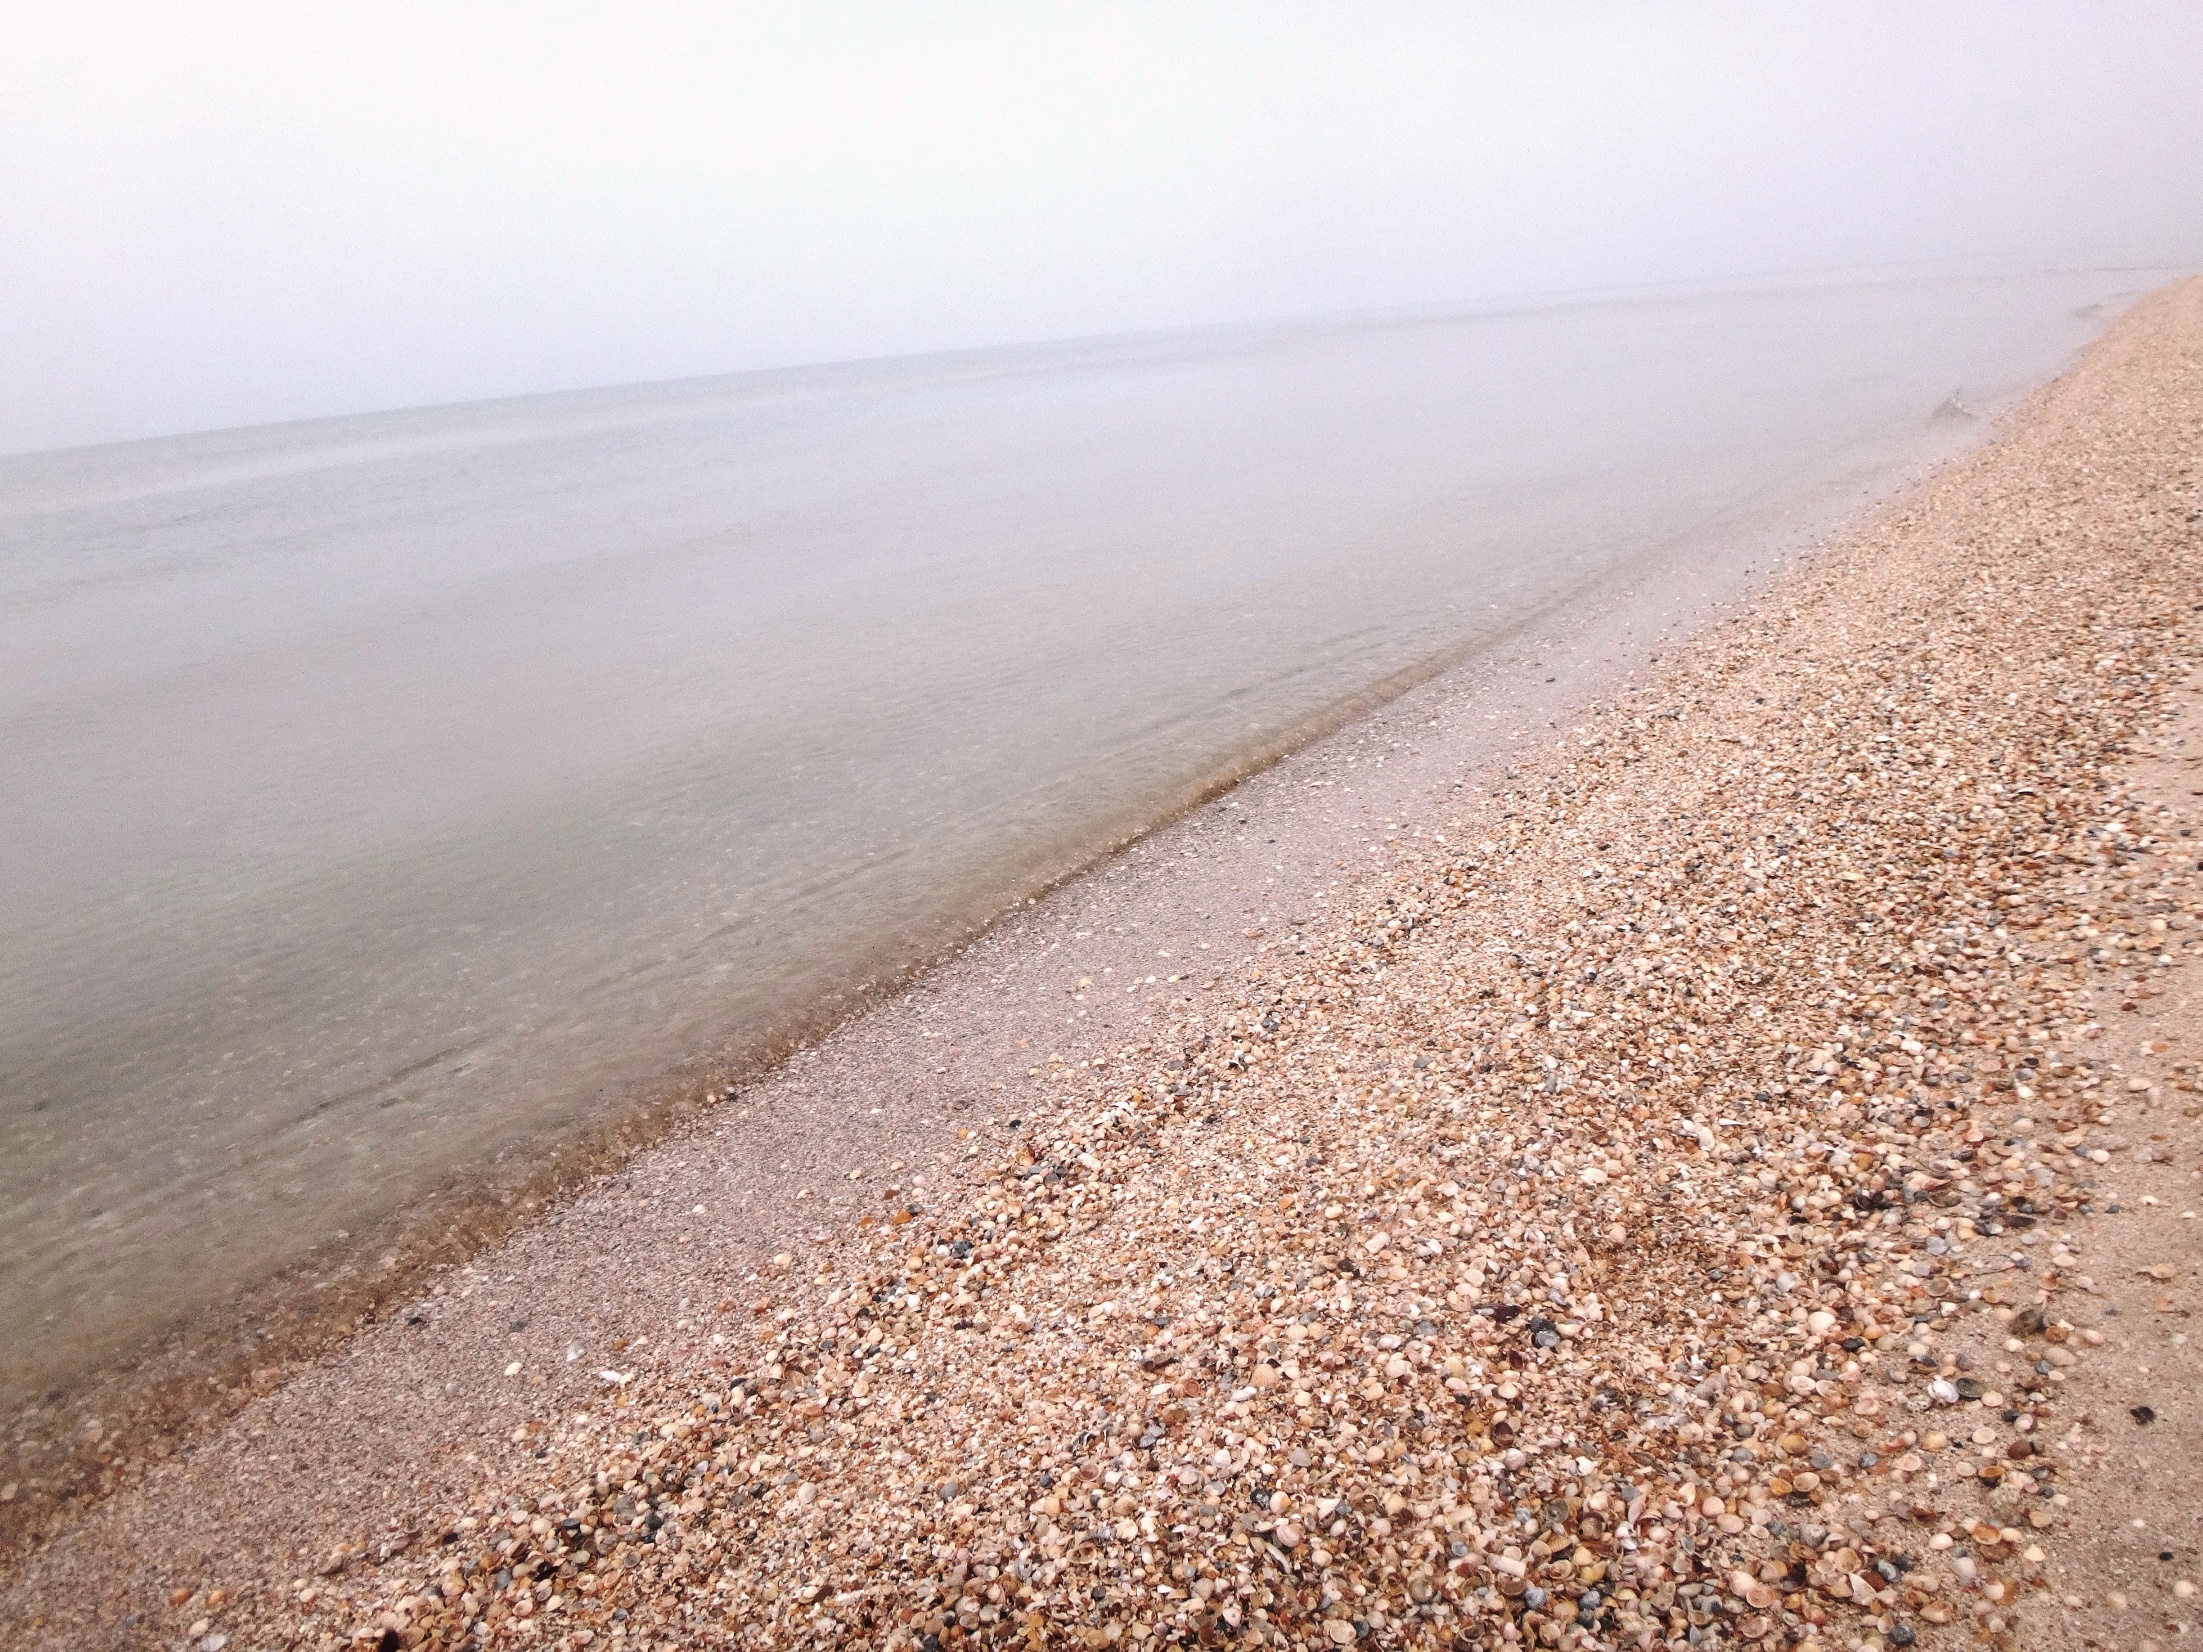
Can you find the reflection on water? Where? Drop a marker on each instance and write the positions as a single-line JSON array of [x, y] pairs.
[[384, 792]]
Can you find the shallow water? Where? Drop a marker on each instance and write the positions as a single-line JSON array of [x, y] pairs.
[[387, 793]]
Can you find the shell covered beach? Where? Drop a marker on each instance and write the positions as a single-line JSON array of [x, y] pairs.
[[1724, 1186]]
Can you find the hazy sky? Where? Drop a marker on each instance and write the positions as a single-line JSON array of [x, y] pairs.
[[215, 214]]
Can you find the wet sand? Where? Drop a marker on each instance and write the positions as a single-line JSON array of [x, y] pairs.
[[2018, 620]]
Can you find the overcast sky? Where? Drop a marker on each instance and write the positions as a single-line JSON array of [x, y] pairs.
[[216, 214]]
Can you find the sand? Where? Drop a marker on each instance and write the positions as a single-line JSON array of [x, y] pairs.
[[1603, 1212]]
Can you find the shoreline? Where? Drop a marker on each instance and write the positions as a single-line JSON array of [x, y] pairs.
[[356, 1408], [562, 954], [183, 1382], [850, 1541]]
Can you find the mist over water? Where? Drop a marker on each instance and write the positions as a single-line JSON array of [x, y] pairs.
[[390, 792]]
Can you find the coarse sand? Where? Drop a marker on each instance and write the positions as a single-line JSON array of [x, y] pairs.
[[1727, 1175]]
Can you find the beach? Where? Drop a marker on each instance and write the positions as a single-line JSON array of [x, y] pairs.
[[434, 803], [1635, 1138]]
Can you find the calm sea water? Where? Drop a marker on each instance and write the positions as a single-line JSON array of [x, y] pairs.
[[380, 794]]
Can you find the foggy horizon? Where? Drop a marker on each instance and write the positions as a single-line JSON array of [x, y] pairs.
[[245, 217]]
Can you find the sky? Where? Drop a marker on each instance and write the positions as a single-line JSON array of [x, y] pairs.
[[222, 214]]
